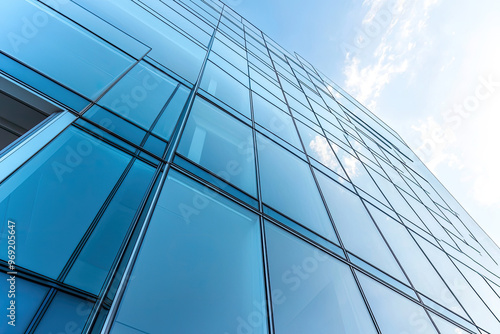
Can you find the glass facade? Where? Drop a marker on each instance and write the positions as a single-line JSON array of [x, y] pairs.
[[166, 167]]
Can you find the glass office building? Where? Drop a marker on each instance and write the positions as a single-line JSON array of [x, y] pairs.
[[166, 167]]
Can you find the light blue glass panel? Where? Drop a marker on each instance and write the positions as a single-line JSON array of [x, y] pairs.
[[275, 120], [227, 89], [140, 95], [356, 228], [27, 298], [288, 185], [58, 193], [474, 306], [66, 314], [420, 272], [317, 147], [168, 46], [94, 262], [312, 292], [220, 143], [199, 269], [166, 124], [446, 327], [394, 313], [60, 49]]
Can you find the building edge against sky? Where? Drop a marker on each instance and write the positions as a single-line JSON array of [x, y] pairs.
[[167, 167]]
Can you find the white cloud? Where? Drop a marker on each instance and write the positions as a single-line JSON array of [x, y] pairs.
[[390, 32]]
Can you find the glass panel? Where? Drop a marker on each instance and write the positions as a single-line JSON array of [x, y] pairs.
[[461, 288], [287, 185], [115, 124], [394, 313], [27, 297], [94, 262], [317, 146], [166, 124], [446, 327], [312, 292], [199, 269], [58, 192], [417, 267], [168, 46], [60, 49], [140, 95], [220, 143], [227, 89], [275, 120], [66, 314], [350, 217]]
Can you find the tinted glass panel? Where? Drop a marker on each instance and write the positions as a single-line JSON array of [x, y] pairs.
[[95, 260], [312, 292], [199, 269], [227, 89], [288, 185], [275, 120], [421, 273], [220, 143], [140, 95], [59, 48], [351, 218], [66, 314], [58, 193], [394, 313]]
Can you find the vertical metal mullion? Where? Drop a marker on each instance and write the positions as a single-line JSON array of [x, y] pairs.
[[267, 278]]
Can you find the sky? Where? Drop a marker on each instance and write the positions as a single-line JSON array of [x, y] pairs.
[[430, 69]]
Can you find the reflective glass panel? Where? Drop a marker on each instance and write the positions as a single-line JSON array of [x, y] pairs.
[[66, 314], [58, 193], [95, 260], [60, 49], [220, 143], [356, 228], [394, 313], [420, 272], [199, 269], [227, 89], [288, 185], [312, 292], [275, 120], [140, 95]]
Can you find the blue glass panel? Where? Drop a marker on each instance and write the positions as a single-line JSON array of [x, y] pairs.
[[318, 147], [288, 185], [58, 193], [420, 272], [27, 298], [45, 41], [166, 124], [393, 312], [94, 262], [168, 46], [155, 146], [42, 84], [220, 143], [66, 314], [140, 95], [350, 217], [275, 120], [115, 124], [199, 269], [227, 89], [312, 292]]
